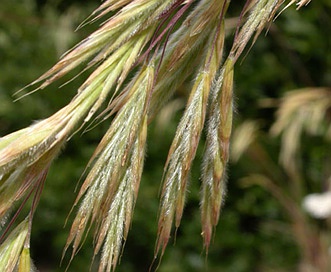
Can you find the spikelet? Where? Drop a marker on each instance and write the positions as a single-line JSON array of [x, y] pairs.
[[26, 155], [243, 137], [181, 154], [261, 13], [180, 59], [300, 111], [185, 143], [12, 248], [217, 151], [129, 22], [111, 187]]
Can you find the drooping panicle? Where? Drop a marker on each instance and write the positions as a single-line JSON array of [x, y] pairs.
[[139, 57]]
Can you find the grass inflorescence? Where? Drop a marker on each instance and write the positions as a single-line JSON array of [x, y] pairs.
[[165, 43]]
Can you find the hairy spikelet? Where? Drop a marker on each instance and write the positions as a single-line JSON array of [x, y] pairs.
[[12, 248], [26, 155], [261, 13], [116, 225], [184, 146], [179, 160], [217, 151], [111, 186], [180, 57], [127, 24]]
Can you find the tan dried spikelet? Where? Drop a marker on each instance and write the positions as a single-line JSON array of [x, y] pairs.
[[244, 135], [302, 110]]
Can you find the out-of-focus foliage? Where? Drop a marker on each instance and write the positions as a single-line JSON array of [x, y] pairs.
[[253, 233]]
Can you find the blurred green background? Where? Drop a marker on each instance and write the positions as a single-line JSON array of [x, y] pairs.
[[255, 232]]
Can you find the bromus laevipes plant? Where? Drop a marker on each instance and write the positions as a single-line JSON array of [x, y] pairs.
[[139, 57]]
